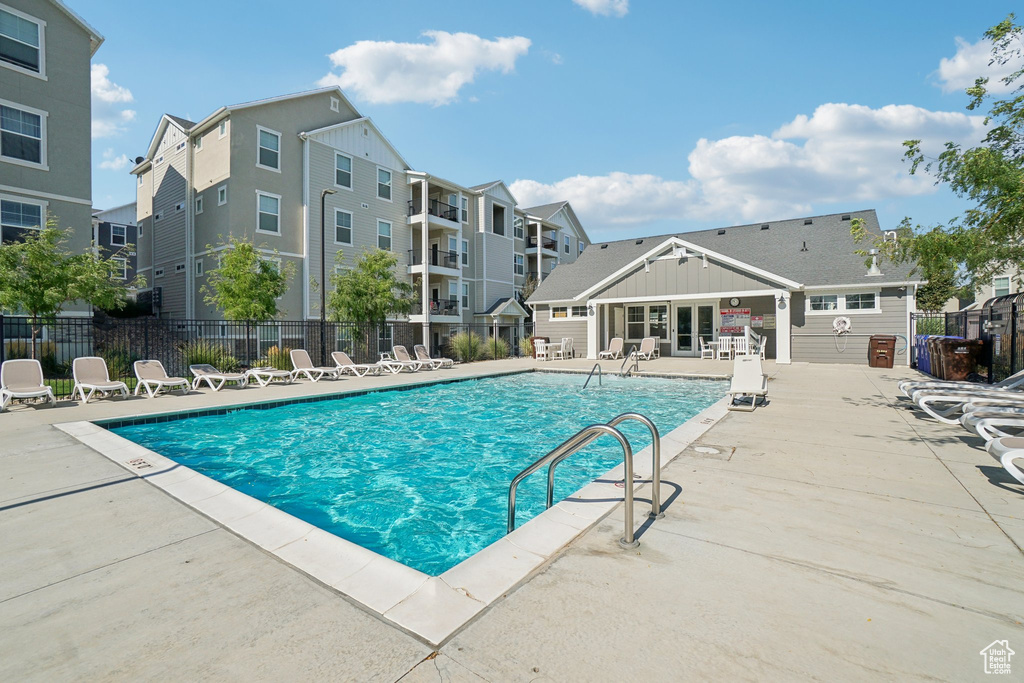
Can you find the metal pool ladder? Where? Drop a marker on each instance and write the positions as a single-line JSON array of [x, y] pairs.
[[579, 441], [597, 366], [632, 355]]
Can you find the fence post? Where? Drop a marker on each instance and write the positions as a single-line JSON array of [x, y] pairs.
[[145, 335], [1013, 337], [3, 340]]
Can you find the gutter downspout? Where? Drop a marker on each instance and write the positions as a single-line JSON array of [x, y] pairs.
[[190, 237]]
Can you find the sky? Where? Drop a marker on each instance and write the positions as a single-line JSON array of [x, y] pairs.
[[649, 117]]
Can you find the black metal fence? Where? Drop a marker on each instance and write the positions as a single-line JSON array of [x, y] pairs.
[[999, 322], [231, 345]]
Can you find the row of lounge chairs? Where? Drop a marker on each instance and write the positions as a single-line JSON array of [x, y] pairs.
[[995, 412], [23, 378]]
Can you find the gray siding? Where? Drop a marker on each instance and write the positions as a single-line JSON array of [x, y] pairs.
[[670, 277], [823, 347], [169, 234], [555, 330]]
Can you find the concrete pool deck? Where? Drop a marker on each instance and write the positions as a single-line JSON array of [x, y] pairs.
[[831, 534]]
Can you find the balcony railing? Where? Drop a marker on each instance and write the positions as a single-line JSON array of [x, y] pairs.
[[435, 207], [437, 307], [446, 259], [546, 242]]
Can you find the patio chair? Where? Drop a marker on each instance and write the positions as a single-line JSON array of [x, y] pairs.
[[154, 379], [203, 372], [542, 350], [908, 387], [561, 352], [707, 350], [90, 372], [266, 375], [725, 348], [614, 349], [423, 356], [303, 365], [401, 355], [1007, 450], [748, 381], [23, 378], [345, 364], [648, 349], [740, 346]]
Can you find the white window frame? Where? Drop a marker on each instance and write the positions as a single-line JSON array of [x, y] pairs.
[[157, 216], [351, 172], [335, 104], [43, 207], [390, 236], [124, 235], [180, 206], [582, 246], [464, 209], [841, 309], [140, 180], [465, 252], [158, 272], [197, 144], [222, 195], [571, 313], [179, 268], [259, 194], [124, 267], [996, 287], [518, 228], [567, 244], [453, 290], [351, 228], [518, 264], [222, 129], [42, 164], [199, 267], [646, 322], [199, 204], [280, 139], [465, 295], [390, 184], [41, 74]]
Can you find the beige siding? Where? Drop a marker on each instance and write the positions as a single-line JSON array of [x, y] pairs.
[[688, 276], [823, 347]]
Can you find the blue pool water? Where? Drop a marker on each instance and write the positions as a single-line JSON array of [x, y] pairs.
[[421, 475]]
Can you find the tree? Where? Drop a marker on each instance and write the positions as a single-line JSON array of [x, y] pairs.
[[40, 276], [246, 284], [988, 238], [369, 292]]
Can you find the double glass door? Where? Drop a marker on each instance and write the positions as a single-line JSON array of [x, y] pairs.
[[693, 322]]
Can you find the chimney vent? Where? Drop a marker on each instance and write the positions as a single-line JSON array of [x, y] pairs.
[[721, 232], [808, 221], [874, 269], [765, 226], [804, 248], [845, 217]]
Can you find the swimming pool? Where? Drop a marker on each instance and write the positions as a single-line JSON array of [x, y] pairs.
[[421, 475]]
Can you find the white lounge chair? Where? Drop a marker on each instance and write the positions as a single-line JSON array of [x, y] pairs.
[[648, 349], [707, 350], [1007, 450], [423, 356], [215, 378], [303, 365], [90, 372], [23, 378], [401, 355], [748, 381], [614, 349], [154, 379], [345, 364], [266, 375], [956, 399], [908, 387]]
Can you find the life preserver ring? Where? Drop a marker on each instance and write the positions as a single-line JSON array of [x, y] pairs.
[[841, 325]]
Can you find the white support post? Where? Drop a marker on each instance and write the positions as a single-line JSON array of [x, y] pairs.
[[592, 332], [783, 327], [425, 260]]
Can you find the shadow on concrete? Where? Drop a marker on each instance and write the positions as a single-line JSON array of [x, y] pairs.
[[62, 494]]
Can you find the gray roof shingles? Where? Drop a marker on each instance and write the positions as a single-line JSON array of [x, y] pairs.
[[829, 259], [545, 211], [184, 123]]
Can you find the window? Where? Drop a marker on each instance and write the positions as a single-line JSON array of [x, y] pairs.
[[199, 267], [582, 247], [119, 268], [860, 302], [157, 216], [342, 227], [222, 195], [567, 242], [658, 321], [465, 252], [498, 220], [179, 267], [21, 135], [140, 180], [180, 146], [384, 235], [453, 250], [579, 311], [519, 266], [268, 212], [384, 183], [343, 171], [117, 235], [635, 322], [159, 160], [21, 42], [19, 216], [180, 206], [1001, 286], [824, 302], [465, 209], [269, 151], [517, 227], [559, 312], [199, 205], [453, 290], [222, 129], [158, 272], [335, 104], [465, 295], [198, 143], [140, 231]]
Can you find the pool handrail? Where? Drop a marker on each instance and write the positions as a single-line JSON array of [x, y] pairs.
[[655, 461], [597, 366], [632, 355]]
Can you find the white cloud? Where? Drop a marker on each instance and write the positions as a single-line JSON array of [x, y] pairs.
[[842, 153], [971, 61], [608, 8], [109, 115], [112, 162], [384, 72]]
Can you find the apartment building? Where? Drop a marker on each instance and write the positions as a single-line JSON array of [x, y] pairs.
[[45, 119], [277, 170], [115, 234]]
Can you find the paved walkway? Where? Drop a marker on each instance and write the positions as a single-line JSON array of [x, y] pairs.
[[833, 535]]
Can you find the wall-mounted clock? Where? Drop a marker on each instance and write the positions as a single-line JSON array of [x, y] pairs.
[[734, 301]]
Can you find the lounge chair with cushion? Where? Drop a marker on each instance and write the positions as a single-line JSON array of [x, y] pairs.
[[423, 356], [303, 365], [648, 349], [614, 349], [23, 378], [215, 378], [400, 354], [345, 364], [154, 379], [748, 381], [90, 372]]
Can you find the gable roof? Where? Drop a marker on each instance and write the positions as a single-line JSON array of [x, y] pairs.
[[184, 124], [545, 211], [484, 186], [365, 120], [828, 261], [499, 306], [95, 37]]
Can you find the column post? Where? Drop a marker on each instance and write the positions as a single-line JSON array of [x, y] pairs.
[[783, 327], [425, 260], [593, 336]]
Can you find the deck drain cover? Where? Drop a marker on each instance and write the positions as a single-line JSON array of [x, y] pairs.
[[139, 464], [705, 449]]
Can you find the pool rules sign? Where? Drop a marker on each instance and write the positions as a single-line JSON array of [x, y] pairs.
[[734, 320]]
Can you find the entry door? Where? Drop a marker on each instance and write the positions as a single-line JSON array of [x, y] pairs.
[[706, 323], [684, 330]]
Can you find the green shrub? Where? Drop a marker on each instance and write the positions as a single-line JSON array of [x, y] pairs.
[[280, 358], [526, 348], [205, 351], [466, 346], [119, 361], [496, 348]]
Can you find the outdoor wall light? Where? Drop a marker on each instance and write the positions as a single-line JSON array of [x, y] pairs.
[[591, 309]]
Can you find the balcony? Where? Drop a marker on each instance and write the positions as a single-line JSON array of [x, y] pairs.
[[436, 208], [546, 242], [437, 257], [438, 307]]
